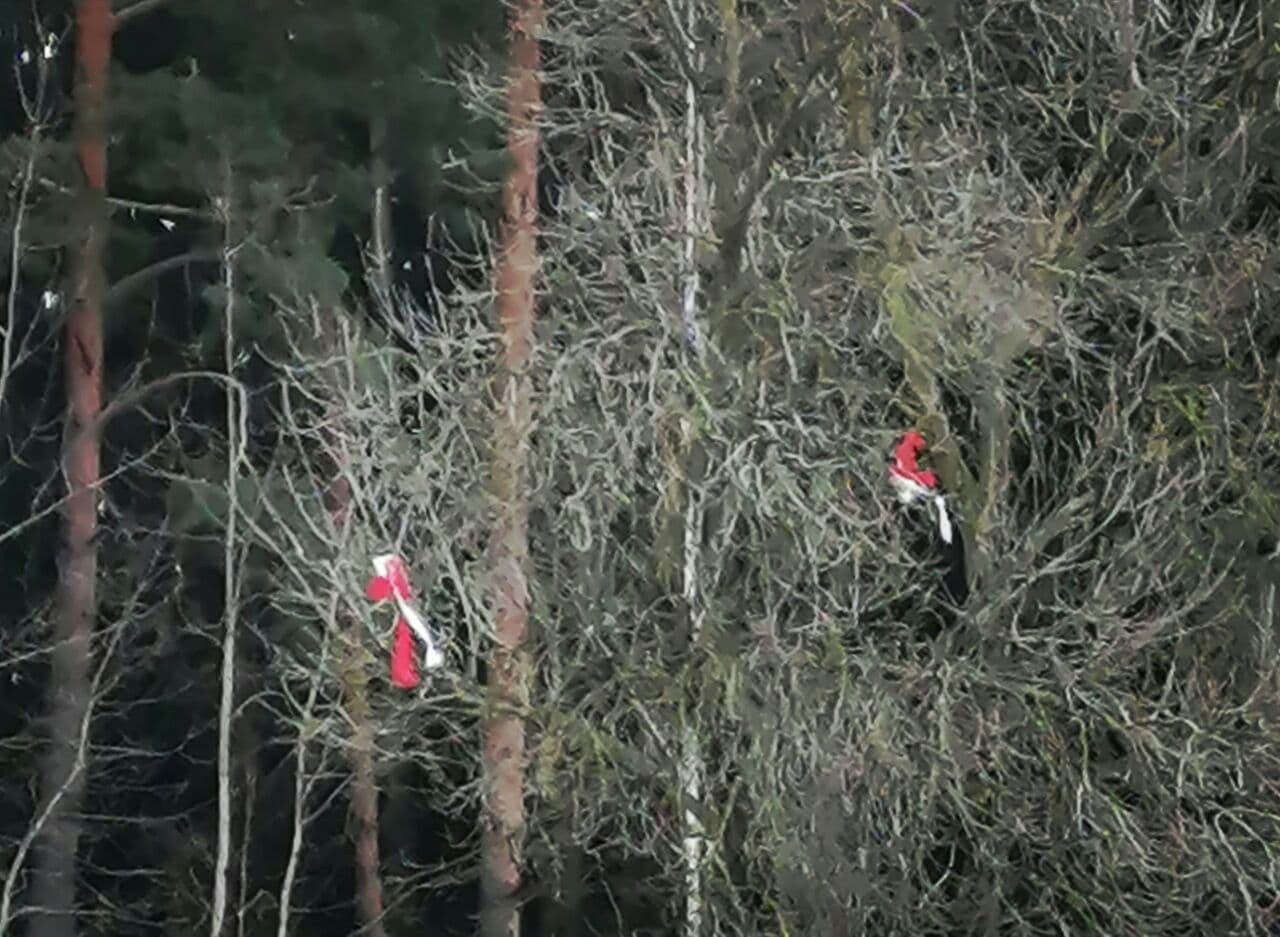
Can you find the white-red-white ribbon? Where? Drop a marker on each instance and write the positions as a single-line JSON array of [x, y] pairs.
[[391, 582], [912, 483]]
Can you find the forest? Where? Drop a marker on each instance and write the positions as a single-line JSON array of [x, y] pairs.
[[457, 469]]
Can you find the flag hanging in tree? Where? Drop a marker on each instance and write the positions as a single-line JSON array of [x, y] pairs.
[[913, 483], [391, 583]]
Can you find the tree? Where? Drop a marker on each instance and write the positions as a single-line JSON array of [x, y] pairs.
[[62, 776], [291, 204], [508, 675], [898, 237]]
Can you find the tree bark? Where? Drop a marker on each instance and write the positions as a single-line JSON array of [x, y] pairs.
[[364, 802], [364, 786], [504, 730], [62, 772], [691, 770], [231, 584], [381, 174]]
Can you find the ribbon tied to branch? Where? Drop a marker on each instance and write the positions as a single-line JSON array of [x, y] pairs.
[[912, 483], [391, 583]]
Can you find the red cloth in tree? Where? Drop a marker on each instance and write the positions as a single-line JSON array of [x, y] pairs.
[[378, 589], [913, 483], [906, 461], [404, 665], [391, 583]]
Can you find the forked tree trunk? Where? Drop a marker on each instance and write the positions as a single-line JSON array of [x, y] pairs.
[[504, 739], [62, 771]]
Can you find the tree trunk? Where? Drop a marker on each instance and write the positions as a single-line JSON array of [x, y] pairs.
[[230, 558], [691, 771], [364, 787], [382, 243], [508, 666], [62, 773], [364, 801]]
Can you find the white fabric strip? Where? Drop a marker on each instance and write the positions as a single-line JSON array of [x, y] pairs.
[[433, 657], [944, 522]]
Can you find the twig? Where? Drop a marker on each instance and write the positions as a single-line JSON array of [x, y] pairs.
[[121, 289], [125, 14]]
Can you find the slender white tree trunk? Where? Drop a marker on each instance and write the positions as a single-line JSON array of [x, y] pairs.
[[382, 239], [691, 769], [235, 452], [695, 159]]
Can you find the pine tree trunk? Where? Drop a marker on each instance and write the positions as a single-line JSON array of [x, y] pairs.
[[504, 731], [62, 771]]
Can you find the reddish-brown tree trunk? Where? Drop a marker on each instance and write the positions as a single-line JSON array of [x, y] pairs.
[[364, 786], [62, 772], [504, 732], [364, 805]]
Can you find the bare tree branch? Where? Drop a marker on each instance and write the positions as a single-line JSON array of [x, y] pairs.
[[136, 9]]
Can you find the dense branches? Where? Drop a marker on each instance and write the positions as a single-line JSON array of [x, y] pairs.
[[1018, 229]]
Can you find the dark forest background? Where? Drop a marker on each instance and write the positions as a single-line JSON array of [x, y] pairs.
[[759, 696]]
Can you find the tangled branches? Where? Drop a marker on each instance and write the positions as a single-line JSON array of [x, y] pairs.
[[1042, 234]]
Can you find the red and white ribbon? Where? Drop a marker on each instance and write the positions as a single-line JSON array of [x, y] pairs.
[[391, 582], [912, 483]]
